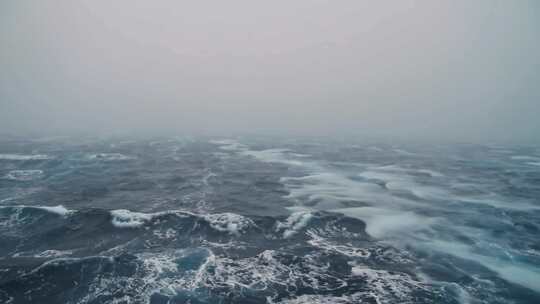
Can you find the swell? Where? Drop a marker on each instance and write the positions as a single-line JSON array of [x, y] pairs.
[[28, 231], [177, 257]]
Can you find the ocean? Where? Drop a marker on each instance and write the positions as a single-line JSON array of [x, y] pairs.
[[267, 220]]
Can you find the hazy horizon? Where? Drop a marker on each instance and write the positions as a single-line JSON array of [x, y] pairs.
[[424, 70], [281, 152]]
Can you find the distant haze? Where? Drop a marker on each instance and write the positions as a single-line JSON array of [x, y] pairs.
[[452, 70]]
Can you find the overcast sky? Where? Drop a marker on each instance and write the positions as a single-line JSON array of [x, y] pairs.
[[457, 70]]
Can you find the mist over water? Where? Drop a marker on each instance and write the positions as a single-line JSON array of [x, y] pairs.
[[446, 70]]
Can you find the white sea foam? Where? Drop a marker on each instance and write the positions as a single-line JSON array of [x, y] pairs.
[[229, 145], [400, 171], [232, 223], [160, 263], [385, 223], [123, 218], [397, 179], [508, 269], [24, 157], [228, 245], [346, 249], [388, 284], [329, 190], [110, 157], [431, 173], [66, 261], [315, 299], [60, 210], [52, 253], [400, 182], [275, 156], [229, 222], [388, 215], [382, 287], [383, 176], [498, 202], [284, 156], [395, 219], [162, 272], [463, 297], [389, 218], [294, 223], [24, 175], [207, 177], [420, 191], [153, 276], [167, 234], [266, 270]]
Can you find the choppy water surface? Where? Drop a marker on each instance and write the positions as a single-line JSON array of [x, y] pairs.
[[246, 220]]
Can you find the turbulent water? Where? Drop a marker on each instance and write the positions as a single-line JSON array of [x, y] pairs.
[[209, 220]]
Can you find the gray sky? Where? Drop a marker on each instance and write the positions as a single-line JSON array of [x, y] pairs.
[[457, 70]]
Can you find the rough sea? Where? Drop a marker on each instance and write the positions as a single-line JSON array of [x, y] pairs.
[[267, 220]]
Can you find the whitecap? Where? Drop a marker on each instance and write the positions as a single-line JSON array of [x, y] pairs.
[[110, 157], [294, 223], [431, 173], [387, 284], [386, 223], [270, 155], [60, 209], [24, 175], [232, 223], [229, 222], [229, 145], [24, 157], [508, 269], [52, 253], [123, 218], [274, 156], [328, 190]]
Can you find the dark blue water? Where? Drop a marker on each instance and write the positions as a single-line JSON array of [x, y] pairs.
[[251, 220]]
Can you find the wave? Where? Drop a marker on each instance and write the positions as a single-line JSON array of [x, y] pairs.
[[24, 157], [229, 222], [59, 209], [386, 223], [407, 206], [110, 157], [229, 144], [232, 223], [525, 158], [123, 218], [175, 255], [201, 276], [294, 223], [277, 155], [24, 175]]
